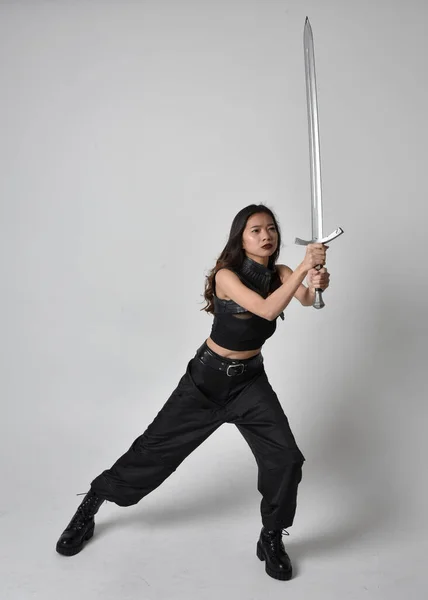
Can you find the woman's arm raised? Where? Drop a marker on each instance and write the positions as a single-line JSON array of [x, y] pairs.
[[268, 308], [234, 289]]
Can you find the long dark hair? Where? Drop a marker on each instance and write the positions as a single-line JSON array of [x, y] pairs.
[[233, 254]]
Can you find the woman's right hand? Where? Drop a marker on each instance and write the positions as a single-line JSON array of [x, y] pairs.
[[315, 255]]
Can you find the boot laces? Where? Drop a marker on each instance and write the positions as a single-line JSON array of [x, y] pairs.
[[284, 531], [276, 532], [275, 538], [86, 510]]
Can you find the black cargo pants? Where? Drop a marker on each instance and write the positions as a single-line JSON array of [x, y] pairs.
[[204, 399]]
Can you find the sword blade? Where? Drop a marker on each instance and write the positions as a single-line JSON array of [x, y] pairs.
[[313, 130]]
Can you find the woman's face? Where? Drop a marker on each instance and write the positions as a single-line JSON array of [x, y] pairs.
[[260, 230]]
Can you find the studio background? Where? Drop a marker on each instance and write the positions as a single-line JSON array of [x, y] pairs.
[[131, 135]]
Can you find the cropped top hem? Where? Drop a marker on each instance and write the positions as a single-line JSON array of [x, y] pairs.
[[236, 347]]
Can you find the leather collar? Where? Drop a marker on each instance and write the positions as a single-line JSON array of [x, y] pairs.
[[256, 275]]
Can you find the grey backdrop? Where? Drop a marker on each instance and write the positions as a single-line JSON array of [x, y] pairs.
[[131, 134]]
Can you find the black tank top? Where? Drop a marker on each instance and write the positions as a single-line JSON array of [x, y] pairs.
[[235, 327]]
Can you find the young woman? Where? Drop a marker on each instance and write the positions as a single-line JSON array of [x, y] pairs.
[[225, 382]]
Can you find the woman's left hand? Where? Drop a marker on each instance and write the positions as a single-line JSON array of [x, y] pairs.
[[318, 279]]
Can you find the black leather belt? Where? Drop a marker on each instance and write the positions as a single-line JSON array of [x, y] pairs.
[[230, 366]]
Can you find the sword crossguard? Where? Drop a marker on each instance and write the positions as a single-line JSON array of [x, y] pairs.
[[323, 240], [318, 301]]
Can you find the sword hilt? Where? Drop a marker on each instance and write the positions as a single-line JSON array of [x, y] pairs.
[[318, 302]]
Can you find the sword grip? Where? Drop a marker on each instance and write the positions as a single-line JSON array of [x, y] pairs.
[[318, 301]]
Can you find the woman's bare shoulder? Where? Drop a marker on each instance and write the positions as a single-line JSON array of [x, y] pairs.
[[218, 289], [284, 272]]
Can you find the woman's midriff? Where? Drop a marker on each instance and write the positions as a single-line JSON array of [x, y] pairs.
[[231, 353]]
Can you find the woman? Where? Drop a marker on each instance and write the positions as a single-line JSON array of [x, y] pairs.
[[225, 382]]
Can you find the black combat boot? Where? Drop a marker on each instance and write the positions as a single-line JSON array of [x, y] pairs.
[[81, 527], [271, 549]]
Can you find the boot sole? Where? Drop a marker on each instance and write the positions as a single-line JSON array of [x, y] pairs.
[[76, 549], [283, 575]]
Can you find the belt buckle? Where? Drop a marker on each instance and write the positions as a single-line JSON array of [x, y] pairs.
[[233, 366]]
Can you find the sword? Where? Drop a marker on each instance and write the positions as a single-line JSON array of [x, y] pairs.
[[314, 149]]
